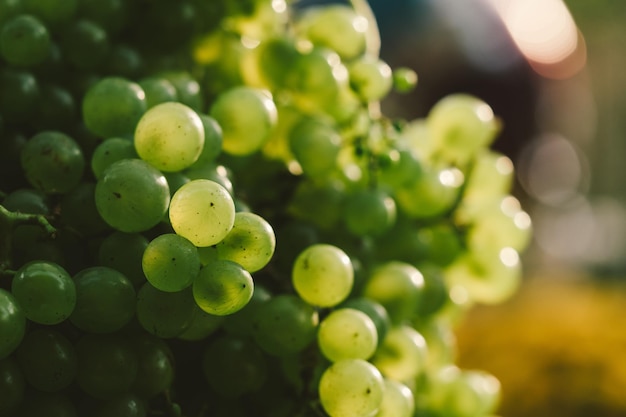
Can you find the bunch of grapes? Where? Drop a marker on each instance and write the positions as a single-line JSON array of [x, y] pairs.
[[204, 212]]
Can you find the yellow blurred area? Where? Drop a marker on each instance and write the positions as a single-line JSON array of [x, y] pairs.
[[557, 347]]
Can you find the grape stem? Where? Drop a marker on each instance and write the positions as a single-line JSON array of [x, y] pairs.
[[8, 221]]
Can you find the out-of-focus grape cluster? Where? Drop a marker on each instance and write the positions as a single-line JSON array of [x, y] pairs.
[[204, 212]]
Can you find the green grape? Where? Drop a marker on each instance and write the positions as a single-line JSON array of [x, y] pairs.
[[175, 180], [123, 252], [233, 366], [45, 291], [169, 136], [52, 12], [370, 77], [127, 405], [188, 89], [430, 194], [400, 168], [165, 314], [211, 171], [107, 365], [285, 324], [241, 322], [403, 354], [374, 311], [109, 151], [113, 106], [369, 212], [155, 365], [79, 212], [319, 204], [246, 116], [202, 326], [170, 262], [398, 400], [404, 80], [267, 65], [132, 195], [203, 212], [20, 94], [47, 359], [434, 293], [315, 145], [323, 275], [441, 341], [85, 46], [53, 162], [24, 41], [492, 174], [440, 243], [461, 125], [13, 323], [57, 108], [397, 286], [37, 404], [212, 141], [158, 90], [250, 243], [337, 27], [347, 333], [105, 300], [12, 385], [112, 15], [350, 388], [124, 61], [9, 9], [222, 287], [27, 200]]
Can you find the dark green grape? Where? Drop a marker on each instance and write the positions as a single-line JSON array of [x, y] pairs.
[[241, 322], [315, 144], [52, 162], [369, 212], [155, 370], [12, 385], [79, 212], [165, 314], [234, 366], [47, 359], [109, 151], [188, 91], [52, 12], [123, 252], [27, 200], [45, 292], [37, 404], [127, 405], [222, 287], [12, 324], [24, 41], [9, 9], [20, 94], [202, 325], [57, 108], [440, 243], [85, 44], [105, 300], [158, 90], [124, 61], [109, 14], [107, 365], [212, 141], [113, 106]]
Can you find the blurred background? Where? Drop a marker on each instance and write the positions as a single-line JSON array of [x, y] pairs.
[[554, 71]]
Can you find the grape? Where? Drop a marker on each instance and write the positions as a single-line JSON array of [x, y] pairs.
[[371, 78], [85, 45], [165, 314], [11, 385], [404, 80], [203, 212], [52, 12], [169, 136], [105, 300], [113, 107], [109, 151], [201, 326], [285, 324], [241, 322], [212, 140], [45, 291], [247, 117], [157, 91], [51, 405], [222, 287], [374, 310], [350, 388], [323, 275], [402, 355], [315, 145], [52, 162], [170, 262], [127, 405], [13, 323], [123, 252], [24, 41], [397, 400], [369, 212], [57, 108], [347, 333], [20, 94], [251, 242], [155, 365], [27, 200], [47, 359], [132, 196]]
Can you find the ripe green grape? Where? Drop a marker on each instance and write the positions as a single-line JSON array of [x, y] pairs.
[[47, 359], [53, 162], [165, 314], [13, 323], [113, 106], [347, 333], [246, 116], [403, 354], [45, 291], [170, 262], [370, 77], [404, 80], [369, 212], [24, 41], [397, 286], [374, 311], [109, 151], [132, 195], [12, 385], [105, 300], [398, 400], [285, 324], [222, 287], [350, 388], [250, 243], [203, 212], [169, 136], [315, 145], [157, 90], [107, 365], [212, 140]]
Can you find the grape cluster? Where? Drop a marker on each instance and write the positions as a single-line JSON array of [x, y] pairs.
[[204, 212]]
